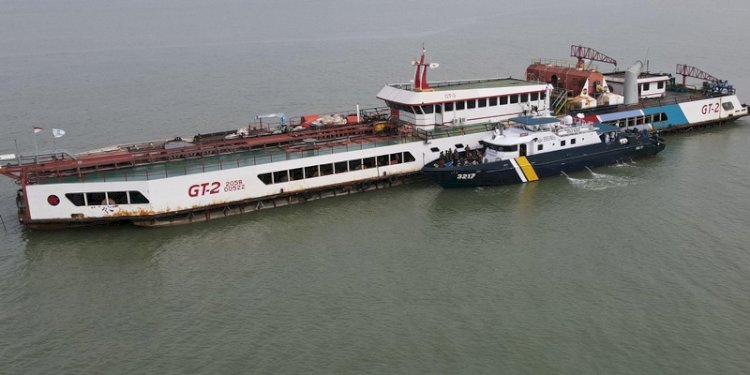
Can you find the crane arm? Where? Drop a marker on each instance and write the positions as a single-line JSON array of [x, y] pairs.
[[588, 53]]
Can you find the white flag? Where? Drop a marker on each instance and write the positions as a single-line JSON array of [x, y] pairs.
[[57, 133]]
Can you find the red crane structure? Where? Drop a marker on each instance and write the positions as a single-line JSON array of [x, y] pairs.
[[691, 71], [589, 53]]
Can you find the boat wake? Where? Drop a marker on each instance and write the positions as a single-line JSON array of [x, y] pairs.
[[600, 181], [625, 164]]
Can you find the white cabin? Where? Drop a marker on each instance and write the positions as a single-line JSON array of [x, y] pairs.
[[649, 85], [538, 135], [465, 102], [462, 102]]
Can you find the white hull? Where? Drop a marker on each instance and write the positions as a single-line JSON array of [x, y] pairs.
[[196, 192]]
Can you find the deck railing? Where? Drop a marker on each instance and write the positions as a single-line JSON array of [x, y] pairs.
[[176, 167]]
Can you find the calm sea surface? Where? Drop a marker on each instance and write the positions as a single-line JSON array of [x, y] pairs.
[[636, 269]]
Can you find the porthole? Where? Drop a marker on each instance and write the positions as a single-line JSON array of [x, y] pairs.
[[53, 200]]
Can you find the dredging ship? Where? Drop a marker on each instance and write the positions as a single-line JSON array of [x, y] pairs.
[[531, 148], [285, 161], [198, 178]]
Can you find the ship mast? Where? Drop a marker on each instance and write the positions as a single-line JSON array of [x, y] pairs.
[[420, 75]]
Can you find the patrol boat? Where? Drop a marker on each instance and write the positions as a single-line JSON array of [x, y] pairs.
[[530, 148]]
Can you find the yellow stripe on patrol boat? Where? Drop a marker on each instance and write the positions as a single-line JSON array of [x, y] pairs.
[[527, 169]]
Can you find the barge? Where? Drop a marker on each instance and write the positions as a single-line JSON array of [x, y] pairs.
[[206, 176]]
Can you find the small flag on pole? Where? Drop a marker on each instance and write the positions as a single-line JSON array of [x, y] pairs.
[[37, 129], [57, 133]]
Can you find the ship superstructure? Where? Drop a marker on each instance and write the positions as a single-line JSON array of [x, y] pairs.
[[636, 96]]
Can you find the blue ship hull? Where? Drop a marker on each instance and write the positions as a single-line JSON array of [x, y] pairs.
[[549, 164]]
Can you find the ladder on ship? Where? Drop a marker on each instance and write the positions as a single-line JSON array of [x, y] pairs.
[[558, 98]]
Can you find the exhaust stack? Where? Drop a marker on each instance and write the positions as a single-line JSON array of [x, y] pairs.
[[630, 89]]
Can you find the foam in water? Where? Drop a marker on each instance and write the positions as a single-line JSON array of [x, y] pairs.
[[600, 181]]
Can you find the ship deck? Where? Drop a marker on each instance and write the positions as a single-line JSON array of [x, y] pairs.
[[469, 84], [267, 155]]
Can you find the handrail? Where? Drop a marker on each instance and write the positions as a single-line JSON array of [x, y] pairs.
[[560, 96]]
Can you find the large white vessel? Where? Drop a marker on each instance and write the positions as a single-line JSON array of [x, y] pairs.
[[188, 179]]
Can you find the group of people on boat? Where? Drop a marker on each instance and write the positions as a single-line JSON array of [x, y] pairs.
[[454, 158]]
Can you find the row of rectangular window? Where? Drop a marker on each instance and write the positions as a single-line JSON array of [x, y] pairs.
[[540, 147], [331, 168], [640, 120], [471, 103], [107, 198], [647, 86], [494, 101], [572, 142]]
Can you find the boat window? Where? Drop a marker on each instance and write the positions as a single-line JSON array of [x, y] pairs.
[[96, 199], [481, 103], [493, 101], [534, 96], [368, 163], [540, 147], [137, 198], [728, 106], [459, 145], [311, 171], [295, 174], [417, 110], [326, 169], [408, 157], [543, 96], [355, 164], [471, 104], [427, 109], [280, 176], [503, 100], [460, 106], [660, 85], [396, 158], [76, 198], [118, 197], [448, 107], [646, 86], [405, 108], [513, 99], [383, 160], [341, 167], [573, 141], [562, 143], [434, 149], [265, 178], [506, 148], [524, 98]]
